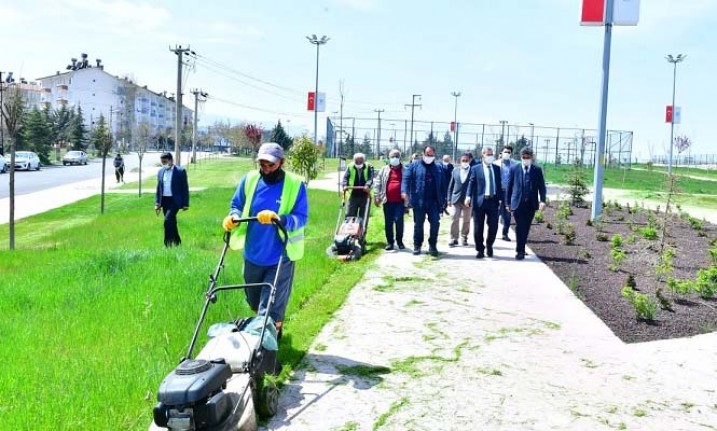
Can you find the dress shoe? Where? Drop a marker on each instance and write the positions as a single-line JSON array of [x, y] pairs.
[[489, 251], [520, 256], [433, 251], [480, 255], [401, 246], [416, 251], [453, 243], [506, 238], [389, 247]]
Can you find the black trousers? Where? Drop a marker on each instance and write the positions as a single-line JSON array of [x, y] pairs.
[[171, 233], [523, 219], [119, 174], [488, 210]]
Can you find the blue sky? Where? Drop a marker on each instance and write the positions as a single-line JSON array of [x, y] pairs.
[[517, 60]]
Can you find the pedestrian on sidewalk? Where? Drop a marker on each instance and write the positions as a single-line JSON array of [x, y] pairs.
[[357, 180], [172, 195], [447, 172], [506, 164], [387, 192], [456, 196], [423, 186], [269, 194], [525, 194], [119, 167], [484, 193]]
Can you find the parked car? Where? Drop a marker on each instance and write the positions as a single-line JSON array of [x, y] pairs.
[[75, 158], [27, 160], [3, 166]]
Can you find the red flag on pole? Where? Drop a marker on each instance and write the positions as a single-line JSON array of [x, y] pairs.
[[668, 114], [311, 102], [593, 12], [453, 126]]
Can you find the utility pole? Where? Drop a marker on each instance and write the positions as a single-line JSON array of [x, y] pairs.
[[455, 94], [2, 133], [197, 95], [378, 136], [340, 152], [674, 61], [318, 42], [179, 51], [413, 107]]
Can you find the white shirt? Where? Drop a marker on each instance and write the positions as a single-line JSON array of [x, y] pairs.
[[464, 174], [167, 182], [488, 174]]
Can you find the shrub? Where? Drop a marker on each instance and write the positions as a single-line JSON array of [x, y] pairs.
[[645, 307], [618, 256], [564, 211], [584, 254], [630, 282], [706, 282], [589, 222], [665, 302], [679, 287], [616, 241], [649, 232], [549, 225], [539, 217], [577, 184], [601, 237], [631, 239], [569, 234], [665, 266], [713, 254]]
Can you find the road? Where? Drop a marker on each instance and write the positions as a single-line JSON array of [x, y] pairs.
[[53, 176]]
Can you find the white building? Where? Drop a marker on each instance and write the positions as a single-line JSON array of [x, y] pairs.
[[124, 104]]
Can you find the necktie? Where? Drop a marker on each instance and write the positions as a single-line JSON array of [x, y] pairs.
[[492, 181], [526, 179]]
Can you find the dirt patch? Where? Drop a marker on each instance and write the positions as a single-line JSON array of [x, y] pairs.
[[588, 267]]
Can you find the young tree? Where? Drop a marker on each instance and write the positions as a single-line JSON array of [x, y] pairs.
[[143, 137], [366, 147], [278, 135], [13, 112], [577, 184], [39, 133], [303, 158], [253, 135], [102, 140]]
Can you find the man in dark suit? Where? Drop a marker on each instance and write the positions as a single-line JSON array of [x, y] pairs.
[[457, 188], [524, 195], [172, 194], [484, 194]]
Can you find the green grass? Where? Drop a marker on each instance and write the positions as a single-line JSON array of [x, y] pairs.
[[96, 311], [632, 179]]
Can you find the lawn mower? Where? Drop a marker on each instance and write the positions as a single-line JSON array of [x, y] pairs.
[[350, 233], [224, 388]]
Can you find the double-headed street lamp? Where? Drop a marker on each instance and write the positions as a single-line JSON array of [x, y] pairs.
[[674, 61], [455, 94], [318, 42]]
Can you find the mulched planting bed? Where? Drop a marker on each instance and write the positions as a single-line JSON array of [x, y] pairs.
[[585, 267]]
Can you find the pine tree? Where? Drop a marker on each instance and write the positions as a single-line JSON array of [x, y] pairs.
[[37, 135], [577, 184], [77, 131], [278, 135]]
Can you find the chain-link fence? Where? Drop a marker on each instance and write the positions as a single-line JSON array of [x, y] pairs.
[[550, 144], [687, 160]]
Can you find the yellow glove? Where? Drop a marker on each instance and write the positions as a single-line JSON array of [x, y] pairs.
[[229, 223], [266, 216]]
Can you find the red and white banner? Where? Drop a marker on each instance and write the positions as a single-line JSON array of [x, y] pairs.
[[624, 12], [316, 103], [673, 114]]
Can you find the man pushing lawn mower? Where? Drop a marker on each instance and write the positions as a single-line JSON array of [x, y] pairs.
[[269, 194]]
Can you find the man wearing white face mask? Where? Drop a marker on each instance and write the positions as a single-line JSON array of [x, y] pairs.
[[424, 187], [524, 195], [506, 163], [387, 192], [457, 188], [485, 194], [358, 180]]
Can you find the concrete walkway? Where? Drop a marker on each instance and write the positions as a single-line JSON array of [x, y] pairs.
[[454, 343]]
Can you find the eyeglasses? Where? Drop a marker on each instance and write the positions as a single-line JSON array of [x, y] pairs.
[[264, 164]]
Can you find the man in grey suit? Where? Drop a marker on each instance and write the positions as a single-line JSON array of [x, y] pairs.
[[484, 193], [524, 195], [457, 187]]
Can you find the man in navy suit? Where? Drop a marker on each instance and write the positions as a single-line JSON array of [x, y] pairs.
[[457, 189], [484, 193], [172, 194], [524, 195]]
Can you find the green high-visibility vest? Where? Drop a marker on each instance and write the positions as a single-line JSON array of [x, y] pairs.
[[289, 195], [352, 174]]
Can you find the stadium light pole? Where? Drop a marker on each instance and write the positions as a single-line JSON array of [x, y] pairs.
[[674, 61], [455, 94], [318, 42]]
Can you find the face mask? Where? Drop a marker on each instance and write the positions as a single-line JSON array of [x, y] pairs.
[[273, 177], [506, 156], [465, 165], [488, 159], [165, 165], [446, 163], [527, 162], [359, 166], [428, 159], [394, 161]]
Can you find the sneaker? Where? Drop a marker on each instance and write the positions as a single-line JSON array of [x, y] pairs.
[[401, 246], [389, 247], [453, 243]]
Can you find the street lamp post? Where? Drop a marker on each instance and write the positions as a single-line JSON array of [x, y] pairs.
[[318, 42], [674, 61], [455, 94]]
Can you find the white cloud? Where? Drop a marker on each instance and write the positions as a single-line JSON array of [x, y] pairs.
[[361, 5], [120, 16]]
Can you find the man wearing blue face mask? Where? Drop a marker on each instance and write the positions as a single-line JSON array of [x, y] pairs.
[[387, 191], [423, 185]]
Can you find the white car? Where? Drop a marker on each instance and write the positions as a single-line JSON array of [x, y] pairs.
[[75, 158], [27, 160], [3, 166]]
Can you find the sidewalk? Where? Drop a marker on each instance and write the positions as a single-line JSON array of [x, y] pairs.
[[459, 344]]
